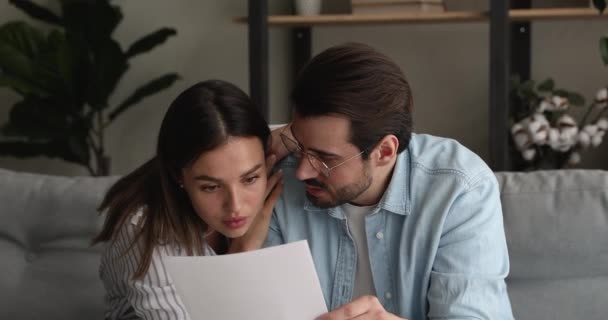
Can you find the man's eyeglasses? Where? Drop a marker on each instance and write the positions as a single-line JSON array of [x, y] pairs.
[[294, 148]]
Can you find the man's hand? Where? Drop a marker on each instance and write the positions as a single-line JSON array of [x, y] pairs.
[[254, 237], [363, 308]]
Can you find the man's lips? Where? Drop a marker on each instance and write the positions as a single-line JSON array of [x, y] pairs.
[[314, 190]]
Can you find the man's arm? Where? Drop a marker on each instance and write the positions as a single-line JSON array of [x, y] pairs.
[[467, 279]]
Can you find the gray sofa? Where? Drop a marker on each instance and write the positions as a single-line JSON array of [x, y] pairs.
[[556, 224]]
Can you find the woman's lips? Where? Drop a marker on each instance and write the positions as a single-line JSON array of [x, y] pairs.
[[235, 223]]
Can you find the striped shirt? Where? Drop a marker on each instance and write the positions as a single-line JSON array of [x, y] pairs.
[[152, 297]]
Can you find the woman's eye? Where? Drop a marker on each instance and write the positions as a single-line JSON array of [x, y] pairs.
[[251, 180], [210, 188]]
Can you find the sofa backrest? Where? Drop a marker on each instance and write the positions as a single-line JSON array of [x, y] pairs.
[[556, 223], [47, 268]]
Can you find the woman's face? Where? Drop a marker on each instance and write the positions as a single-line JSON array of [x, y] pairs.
[[227, 185]]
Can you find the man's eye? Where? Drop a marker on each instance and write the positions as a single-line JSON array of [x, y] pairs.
[[251, 180], [209, 188]]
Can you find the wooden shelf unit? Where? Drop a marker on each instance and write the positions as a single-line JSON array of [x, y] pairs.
[[508, 29], [424, 17]]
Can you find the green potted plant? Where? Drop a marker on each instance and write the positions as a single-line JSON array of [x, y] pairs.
[[65, 77]]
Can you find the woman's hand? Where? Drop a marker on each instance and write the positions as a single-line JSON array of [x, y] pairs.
[[254, 237], [276, 144]]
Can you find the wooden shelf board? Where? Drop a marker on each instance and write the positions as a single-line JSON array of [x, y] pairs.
[[426, 17]]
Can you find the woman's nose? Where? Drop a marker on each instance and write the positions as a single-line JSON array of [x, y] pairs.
[[233, 201]]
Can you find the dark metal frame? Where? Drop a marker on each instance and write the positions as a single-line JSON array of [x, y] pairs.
[[499, 84], [258, 55], [503, 61]]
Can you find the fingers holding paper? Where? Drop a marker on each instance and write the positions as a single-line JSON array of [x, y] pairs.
[[363, 308]]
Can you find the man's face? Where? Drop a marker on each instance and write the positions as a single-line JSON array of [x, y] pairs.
[[327, 138]]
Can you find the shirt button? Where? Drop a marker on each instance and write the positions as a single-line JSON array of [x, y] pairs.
[[380, 235], [388, 295], [30, 257]]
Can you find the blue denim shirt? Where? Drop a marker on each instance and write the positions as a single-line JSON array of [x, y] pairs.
[[436, 240]]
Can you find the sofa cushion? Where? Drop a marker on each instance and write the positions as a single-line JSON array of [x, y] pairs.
[[49, 270], [556, 223]]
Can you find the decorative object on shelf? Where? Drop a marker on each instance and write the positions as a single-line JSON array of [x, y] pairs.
[[561, 4], [308, 7], [544, 134], [65, 79], [396, 6]]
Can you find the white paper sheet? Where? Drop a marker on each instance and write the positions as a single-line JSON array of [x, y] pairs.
[[269, 284]]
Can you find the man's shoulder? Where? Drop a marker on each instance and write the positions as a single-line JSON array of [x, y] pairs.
[[439, 155]]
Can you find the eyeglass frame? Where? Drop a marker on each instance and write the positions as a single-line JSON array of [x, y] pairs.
[[326, 170]]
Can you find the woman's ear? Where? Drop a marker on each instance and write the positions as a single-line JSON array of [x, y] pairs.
[[178, 178], [387, 150]]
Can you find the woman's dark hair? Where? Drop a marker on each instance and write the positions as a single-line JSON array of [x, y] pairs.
[[365, 86], [200, 119]]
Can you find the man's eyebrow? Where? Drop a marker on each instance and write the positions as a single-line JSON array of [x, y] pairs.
[[205, 177], [315, 150]]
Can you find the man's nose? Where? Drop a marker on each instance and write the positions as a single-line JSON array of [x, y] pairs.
[[305, 170]]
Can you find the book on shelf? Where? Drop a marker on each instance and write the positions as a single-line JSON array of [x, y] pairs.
[[396, 6]]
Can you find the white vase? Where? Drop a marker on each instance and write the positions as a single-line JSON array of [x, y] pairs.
[[308, 7]]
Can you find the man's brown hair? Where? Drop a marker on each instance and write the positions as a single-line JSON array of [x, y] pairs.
[[365, 86]]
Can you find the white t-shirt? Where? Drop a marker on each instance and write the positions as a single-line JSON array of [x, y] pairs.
[[355, 218]]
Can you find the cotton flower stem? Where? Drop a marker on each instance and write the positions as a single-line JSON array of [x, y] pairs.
[[599, 115], [587, 114]]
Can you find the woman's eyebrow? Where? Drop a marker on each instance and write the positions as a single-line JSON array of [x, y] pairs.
[[252, 170], [205, 177]]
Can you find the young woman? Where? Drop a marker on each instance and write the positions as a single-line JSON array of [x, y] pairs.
[[205, 192]]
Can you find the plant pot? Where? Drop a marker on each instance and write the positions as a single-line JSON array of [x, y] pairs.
[[308, 7]]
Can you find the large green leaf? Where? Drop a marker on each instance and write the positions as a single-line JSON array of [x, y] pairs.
[[64, 69], [22, 149], [20, 45], [150, 41], [41, 119], [23, 37], [107, 67], [94, 20], [21, 86], [600, 5], [144, 91], [37, 12], [561, 92], [52, 149], [604, 49], [547, 85], [576, 99]]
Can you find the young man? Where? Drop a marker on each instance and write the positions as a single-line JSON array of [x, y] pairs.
[[400, 225]]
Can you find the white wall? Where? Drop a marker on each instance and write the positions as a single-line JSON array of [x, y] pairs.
[[447, 65]]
